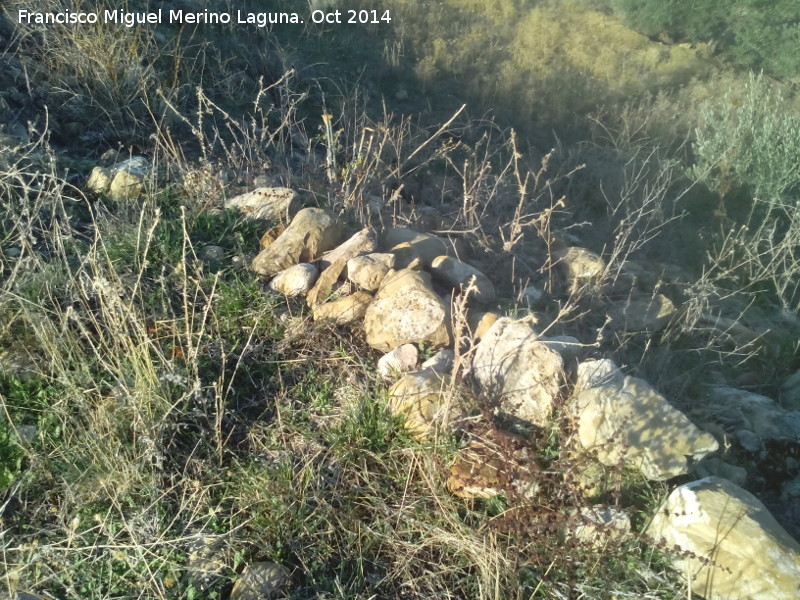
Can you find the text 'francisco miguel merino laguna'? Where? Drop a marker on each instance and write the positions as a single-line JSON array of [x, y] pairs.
[[156, 17]]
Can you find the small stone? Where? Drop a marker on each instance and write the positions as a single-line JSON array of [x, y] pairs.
[[100, 180], [295, 281], [26, 433], [645, 313], [441, 362], [462, 276], [128, 179], [13, 252], [534, 296], [400, 360], [212, 254], [580, 266], [260, 581], [420, 398], [344, 311], [312, 232], [270, 235], [599, 525], [748, 440], [363, 242], [596, 373], [714, 467], [479, 323], [408, 245], [367, 271]]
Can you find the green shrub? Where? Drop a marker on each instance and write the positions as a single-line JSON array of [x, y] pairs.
[[756, 34]]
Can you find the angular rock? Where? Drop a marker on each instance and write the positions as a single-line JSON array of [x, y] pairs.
[[295, 281], [441, 362], [481, 322], [599, 525], [579, 265], [214, 255], [511, 365], [495, 463], [367, 271], [731, 545], [128, 178], [406, 310], [324, 287], [272, 234], [790, 392], [742, 410], [420, 398], [714, 467], [206, 564], [344, 311], [363, 242], [596, 373], [100, 179], [567, 346], [261, 581], [629, 423], [312, 232], [124, 181], [267, 203], [408, 245], [644, 313], [462, 276], [400, 360]]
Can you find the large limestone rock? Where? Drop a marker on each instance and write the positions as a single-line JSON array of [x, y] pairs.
[[312, 232], [510, 364], [406, 310], [296, 280], [367, 271], [267, 203], [626, 422], [408, 245], [421, 399], [731, 545], [495, 463], [643, 313], [461, 275]]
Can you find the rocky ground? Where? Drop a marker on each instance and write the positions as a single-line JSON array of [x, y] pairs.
[[243, 360]]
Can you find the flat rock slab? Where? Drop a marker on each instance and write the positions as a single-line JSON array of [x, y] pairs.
[[267, 203], [512, 365], [312, 232], [628, 423], [731, 545], [406, 310]]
